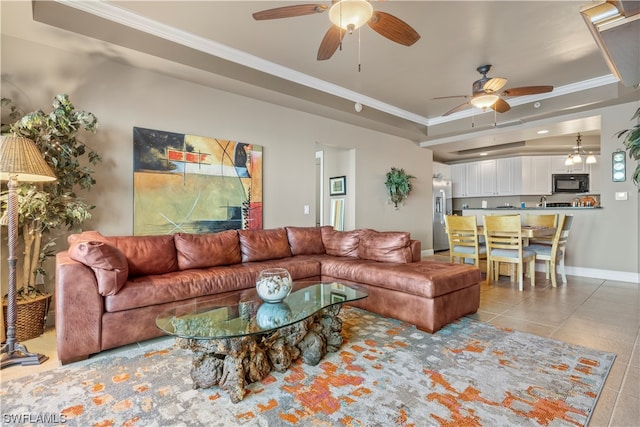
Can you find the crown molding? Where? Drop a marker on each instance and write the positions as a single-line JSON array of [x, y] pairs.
[[138, 22], [135, 21]]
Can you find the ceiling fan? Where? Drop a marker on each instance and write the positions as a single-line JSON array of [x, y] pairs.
[[347, 16], [485, 93]]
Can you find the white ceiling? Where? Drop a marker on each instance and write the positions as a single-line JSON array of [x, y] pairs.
[[219, 44]]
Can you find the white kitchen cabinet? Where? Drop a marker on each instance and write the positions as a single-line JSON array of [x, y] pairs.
[[459, 180], [465, 179], [473, 179], [536, 175], [595, 176], [558, 165], [526, 175], [508, 176], [497, 177], [487, 175]]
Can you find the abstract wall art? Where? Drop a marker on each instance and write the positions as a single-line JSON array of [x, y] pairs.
[[194, 184]]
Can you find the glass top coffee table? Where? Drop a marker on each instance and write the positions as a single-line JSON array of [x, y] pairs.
[[238, 339]]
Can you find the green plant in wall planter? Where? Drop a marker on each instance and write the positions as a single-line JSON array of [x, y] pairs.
[[632, 144], [51, 206], [398, 185]]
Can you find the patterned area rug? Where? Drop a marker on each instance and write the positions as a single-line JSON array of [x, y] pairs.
[[386, 373]]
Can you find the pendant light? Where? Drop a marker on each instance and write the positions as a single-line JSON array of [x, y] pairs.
[[578, 152]]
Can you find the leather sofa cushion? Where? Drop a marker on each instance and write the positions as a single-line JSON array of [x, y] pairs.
[[385, 246], [107, 262], [305, 240], [340, 243], [148, 254], [428, 279], [259, 245], [207, 250], [151, 290]]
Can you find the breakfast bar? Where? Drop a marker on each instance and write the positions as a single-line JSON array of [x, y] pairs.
[[580, 257]]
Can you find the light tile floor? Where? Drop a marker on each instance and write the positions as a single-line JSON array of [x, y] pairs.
[[595, 313]]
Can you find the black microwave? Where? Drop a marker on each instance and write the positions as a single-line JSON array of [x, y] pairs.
[[570, 183]]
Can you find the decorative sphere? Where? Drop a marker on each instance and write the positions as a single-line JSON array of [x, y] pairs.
[[274, 284], [273, 315]]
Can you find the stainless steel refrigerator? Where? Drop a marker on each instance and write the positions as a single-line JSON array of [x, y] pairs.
[[442, 205]]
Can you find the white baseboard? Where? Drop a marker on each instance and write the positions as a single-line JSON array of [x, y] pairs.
[[593, 273], [597, 273]]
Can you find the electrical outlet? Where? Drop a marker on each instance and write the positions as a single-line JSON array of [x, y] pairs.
[[306, 209], [622, 195]]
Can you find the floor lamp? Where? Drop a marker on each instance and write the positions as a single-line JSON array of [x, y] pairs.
[[20, 160]]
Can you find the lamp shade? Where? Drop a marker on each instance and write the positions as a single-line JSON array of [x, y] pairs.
[[350, 14], [484, 101], [20, 157]]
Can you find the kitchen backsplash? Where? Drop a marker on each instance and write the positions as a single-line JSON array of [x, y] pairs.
[[530, 201]]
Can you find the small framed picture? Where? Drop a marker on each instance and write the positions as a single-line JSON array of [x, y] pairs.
[[335, 297], [338, 186]]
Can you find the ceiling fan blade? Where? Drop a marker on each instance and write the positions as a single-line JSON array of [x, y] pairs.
[[290, 11], [501, 106], [527, 90], [458, 108], [330, 42], [494, 84], [393, 28]]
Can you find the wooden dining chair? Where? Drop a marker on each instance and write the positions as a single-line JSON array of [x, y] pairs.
[[553, 254], [541, 220], [464, 241], [503, 237]]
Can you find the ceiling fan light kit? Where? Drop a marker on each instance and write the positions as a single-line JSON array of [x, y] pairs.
[[347, 16], [484, 101], [350, 14], [484, 93]]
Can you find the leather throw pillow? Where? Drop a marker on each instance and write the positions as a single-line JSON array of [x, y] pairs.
[[340, 243], [305, 240], [385, 246], [208, 249], [108, 263], [260, 245]]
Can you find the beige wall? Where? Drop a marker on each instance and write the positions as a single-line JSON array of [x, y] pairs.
[[616, 241], [123, 97]]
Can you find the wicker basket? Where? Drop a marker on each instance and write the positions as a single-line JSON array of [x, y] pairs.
[[30, 317]]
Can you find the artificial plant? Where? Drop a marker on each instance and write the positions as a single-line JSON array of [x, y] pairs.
[[632, 144], [50, 206], [398, 185]]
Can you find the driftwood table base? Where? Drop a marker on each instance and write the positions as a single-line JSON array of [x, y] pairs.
[[232, 363]]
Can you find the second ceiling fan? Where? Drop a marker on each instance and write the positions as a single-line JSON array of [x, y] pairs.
[[485, 93], [347, 16]]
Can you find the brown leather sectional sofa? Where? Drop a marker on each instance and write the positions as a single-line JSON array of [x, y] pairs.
[[109, 290]]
